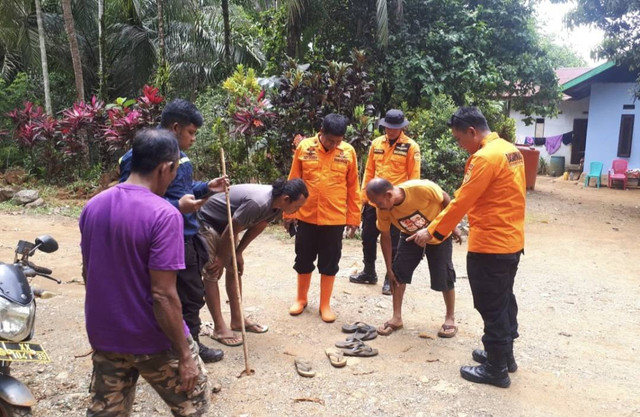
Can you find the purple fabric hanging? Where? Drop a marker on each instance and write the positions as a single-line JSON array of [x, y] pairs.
[[528, 141], [553, 144]]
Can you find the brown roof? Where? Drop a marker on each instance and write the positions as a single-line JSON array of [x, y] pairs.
[[568, 74]]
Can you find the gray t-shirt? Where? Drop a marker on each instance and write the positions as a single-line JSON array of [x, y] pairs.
[[250, 205]]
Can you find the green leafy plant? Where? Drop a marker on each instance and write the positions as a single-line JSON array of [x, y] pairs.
[[543, 166]]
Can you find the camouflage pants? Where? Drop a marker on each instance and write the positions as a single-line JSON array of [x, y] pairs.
[[113, 384], [211, 238]]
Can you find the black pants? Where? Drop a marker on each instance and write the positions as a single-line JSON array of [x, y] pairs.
[[190, 286], [370, 235], [323, 242], [491, 279]]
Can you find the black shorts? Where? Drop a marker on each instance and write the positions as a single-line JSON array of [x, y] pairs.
[[443, 276]]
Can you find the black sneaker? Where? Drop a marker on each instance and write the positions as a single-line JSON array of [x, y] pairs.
[[364, 278], [209, 355]]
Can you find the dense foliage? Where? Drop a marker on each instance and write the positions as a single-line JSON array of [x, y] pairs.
[[620, 21], [267, 79]]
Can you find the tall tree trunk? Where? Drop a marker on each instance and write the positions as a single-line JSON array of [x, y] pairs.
[[43, 59], [399, 11], [161, 46], [293, 39], [73, 47], [102, 88], [227, 33]]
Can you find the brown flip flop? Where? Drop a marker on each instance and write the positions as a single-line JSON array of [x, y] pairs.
[[303, 367], [443, 331], [336, 357], [387, 328], [230, 341]]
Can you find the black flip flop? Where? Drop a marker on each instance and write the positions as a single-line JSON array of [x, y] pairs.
[[349, 344], [358, 326], [370, 334], [361, 350]]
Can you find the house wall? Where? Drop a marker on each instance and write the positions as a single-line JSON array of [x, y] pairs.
[[603, 131], [568, 111]]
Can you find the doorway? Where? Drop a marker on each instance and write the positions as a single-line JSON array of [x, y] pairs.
[[579, 140]]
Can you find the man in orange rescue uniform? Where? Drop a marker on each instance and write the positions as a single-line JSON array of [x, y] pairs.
[[493, 195], [396, 158], [328, 167]]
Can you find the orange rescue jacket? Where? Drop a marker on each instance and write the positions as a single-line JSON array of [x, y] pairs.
[[396, 164], [493, 195], [332, 180]]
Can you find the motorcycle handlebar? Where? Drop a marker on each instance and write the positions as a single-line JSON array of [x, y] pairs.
[[40, 269]]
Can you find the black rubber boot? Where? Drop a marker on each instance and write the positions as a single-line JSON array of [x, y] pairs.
[[386, 287], [492, 372], [480, 356], [208, 355], [367, 276]]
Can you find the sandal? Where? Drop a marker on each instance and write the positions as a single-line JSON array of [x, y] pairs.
[[230, 341], [361, 350], [364, 335], [336, 357], [387, 328], [348, 344], [358, 326], [303, 367], [443, 331], [254, 328]]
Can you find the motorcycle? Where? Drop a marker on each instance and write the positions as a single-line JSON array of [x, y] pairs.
[[17, 319]]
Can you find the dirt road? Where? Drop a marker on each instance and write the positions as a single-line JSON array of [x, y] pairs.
[[578, 289]]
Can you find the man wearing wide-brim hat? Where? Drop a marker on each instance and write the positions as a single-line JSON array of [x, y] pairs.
[[396, 158]]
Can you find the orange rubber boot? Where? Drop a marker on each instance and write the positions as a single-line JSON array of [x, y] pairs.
[[326, 288], [304, 280]]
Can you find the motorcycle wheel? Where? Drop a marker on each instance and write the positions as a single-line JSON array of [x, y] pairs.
[[10, 410]]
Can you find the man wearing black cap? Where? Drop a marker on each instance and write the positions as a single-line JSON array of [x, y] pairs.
[[396, 158]]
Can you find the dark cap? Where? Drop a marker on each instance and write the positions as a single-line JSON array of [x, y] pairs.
[[394, 119]]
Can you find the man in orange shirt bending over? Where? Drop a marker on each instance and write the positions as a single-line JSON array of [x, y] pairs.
[[328, 167], [493, 196]]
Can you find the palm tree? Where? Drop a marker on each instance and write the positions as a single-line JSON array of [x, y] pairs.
[[73, 47], [43, 59], [23, 44], [227, 32], [102, 85]]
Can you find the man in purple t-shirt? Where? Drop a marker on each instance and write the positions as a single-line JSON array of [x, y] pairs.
[[132, 248]]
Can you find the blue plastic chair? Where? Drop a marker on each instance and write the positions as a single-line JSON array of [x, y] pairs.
[[595, 171]]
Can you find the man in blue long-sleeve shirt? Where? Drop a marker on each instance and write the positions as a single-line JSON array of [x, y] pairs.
[[183, 119]]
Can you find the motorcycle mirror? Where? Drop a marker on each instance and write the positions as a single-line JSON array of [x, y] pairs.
[[46, 244]]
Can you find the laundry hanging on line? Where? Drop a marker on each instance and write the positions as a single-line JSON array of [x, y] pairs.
[[552, 144]]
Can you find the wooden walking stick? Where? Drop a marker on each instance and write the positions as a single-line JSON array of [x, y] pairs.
[[247, 368]]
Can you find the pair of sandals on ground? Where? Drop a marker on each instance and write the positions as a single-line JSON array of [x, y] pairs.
[[353, 346]]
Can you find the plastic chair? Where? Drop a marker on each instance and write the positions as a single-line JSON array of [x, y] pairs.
[[618, 172], [595, 171]]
